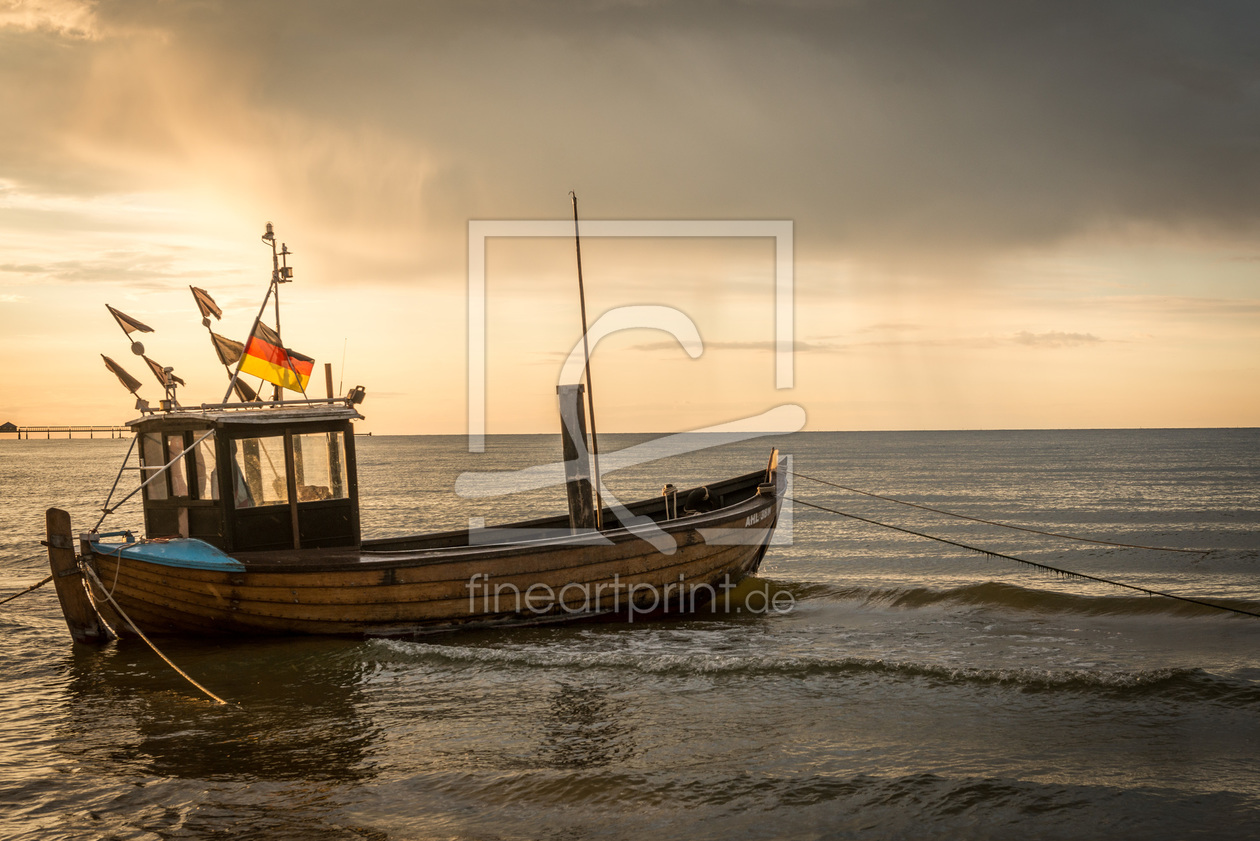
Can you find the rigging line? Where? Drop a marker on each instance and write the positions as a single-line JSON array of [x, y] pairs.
[[27, 590], [236, 375], [1002, 525], [88, 569], [1057, 570], [121, 468], [145, 483]]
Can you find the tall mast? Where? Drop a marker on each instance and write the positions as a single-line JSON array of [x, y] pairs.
[[275, 284], [279, 274], [586, 352], [237, 373]]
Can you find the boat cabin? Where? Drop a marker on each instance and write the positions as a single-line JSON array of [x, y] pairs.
[[251, 478]]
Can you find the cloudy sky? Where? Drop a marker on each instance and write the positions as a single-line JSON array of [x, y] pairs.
[[1003, 214]]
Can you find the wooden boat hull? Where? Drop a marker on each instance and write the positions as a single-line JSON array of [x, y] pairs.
[[415, 585]]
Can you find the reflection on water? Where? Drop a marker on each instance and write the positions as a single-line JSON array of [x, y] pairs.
[[913, 691], [585, 727], [296, 711]]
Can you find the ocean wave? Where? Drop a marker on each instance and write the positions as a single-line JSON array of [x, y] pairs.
[[1014, 597], [1190, 683]]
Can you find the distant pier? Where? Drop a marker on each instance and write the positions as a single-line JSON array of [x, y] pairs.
[[68, 431]]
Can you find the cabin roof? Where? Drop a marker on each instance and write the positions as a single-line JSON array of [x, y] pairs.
[[243, 414]]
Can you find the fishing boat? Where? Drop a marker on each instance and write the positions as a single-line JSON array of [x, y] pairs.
[[252, 527]]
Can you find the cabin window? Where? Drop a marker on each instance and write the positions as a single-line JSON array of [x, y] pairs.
[[152, 457], [205, 466], [258, 472], [319, 461], [178, 470]]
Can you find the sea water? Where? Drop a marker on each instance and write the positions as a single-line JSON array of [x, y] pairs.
[[907, 689]]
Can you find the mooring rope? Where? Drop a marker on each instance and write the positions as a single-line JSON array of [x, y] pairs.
[[1057, 570], [29, 589], [89, 571], [1002, 525], [117, 567]]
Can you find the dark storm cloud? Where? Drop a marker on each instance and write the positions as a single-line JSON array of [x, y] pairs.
[[880, 128]]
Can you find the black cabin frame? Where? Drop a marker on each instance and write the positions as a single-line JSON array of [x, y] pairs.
[[296, 524]]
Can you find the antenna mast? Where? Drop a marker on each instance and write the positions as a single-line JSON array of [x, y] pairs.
[[280, 273], [586, 352]]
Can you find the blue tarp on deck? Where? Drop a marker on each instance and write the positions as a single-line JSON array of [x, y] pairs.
[[188, 553]]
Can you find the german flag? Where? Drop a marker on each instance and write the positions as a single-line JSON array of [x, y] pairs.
[[265, 358]]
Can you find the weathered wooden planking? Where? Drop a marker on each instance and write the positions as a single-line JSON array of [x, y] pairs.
[[558, 570], [162, 610], [553, 569], [412, 590], [420, 601]]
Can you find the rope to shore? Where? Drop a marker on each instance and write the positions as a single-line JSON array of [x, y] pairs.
[[1002, 525], [29, 589], [89, 571], [1045, 567]]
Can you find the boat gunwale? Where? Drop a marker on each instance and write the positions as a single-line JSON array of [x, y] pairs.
[[177, 599], [401, 558]]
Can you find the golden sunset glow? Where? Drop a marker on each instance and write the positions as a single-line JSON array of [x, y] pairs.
[[1049, 223]]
